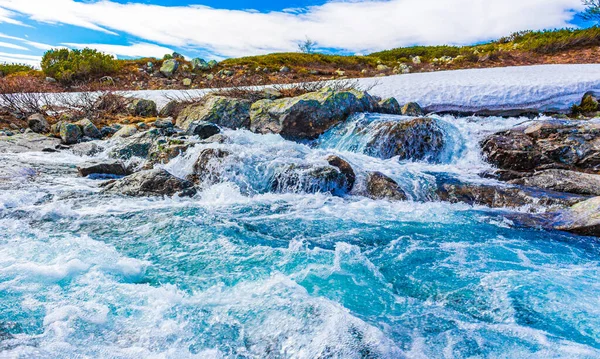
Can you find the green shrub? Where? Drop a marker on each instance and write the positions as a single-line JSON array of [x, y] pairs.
[[68, 66], [426, 53], [9, 69]]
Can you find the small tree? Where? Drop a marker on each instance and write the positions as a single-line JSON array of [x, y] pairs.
[[308, 46], [592, 11]]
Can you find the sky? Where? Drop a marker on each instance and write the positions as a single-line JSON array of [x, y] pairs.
[[218, 29]]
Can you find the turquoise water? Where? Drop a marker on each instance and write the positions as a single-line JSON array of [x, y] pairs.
[[238, 272]]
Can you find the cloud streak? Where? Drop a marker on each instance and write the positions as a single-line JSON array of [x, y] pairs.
[[356, 26]]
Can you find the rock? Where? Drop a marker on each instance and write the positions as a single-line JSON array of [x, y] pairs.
[[271, 94], [382, 67], [137, 145], [142, 108], [345, 168], [380, 186], [169, 67], [200, 64], [573, 145], [70, 133], [108, 131], [223, 111], [87, 149], [164, 153], [27, 142], [284, 69], [38, 124], [589, 105], [164, 123], [170, 109], [156, 182], [416, 139], [502, 196], [582, 218], [126, 131], [89, 129], [309, 179], [207, 167], [203, 130], [50, 80], [412, 109], [390, 106], [115, 168], [309, 115], [177, 55], [563, 181], [212, 64], [187, 82], [220, 138]]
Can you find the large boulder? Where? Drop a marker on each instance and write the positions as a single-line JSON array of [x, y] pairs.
[[554, 144], [502, 196], [27, 142], [309, 179], [138, 145], [380, 186], [207, 168], [223, 111], [112, 168], [582, 218], [70, 133], [126, 131], [412, 109], [89, 129], [199, 64], [165, 152], [142, 108], [203, 130], [309, 115], [390, 106], [562, 181], [414, 139], [38, 124], [169, 67], [156, 182]]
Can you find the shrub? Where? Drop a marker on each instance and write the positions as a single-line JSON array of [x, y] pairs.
[[9, 69], [68, 66]]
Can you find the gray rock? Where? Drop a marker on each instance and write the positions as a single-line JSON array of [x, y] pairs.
[[169, 67], [412, 109], [207, 167], [142, 108], [563, 181], [38, 124], [89, 129], [309, 179], [87, 149], [380, 186], [222, 111], [284, 69], [164, 123], [390, 106], [70, 133], [156, 182], [582, 218], [138, 145], [126, 131], [200, 64], [203, 130], [170, 109], [115, 168], [309, 115], [28, 142]]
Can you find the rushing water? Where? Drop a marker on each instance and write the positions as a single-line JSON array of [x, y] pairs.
[[239, 272]]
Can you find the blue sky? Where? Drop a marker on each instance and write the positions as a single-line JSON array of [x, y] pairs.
[[217, 29]]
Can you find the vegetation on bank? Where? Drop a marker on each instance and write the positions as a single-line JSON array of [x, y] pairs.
[[89, 69]]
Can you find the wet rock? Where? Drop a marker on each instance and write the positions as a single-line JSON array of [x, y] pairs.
[[502, 196], [412, 109], [38, 124], [156, 182], [164, 123], [165, 152], [222, 111], [138, 145], [573, 145], [126, 131], [203, 130], [380, 186], [107, 131], [582, 218], [415, 139], [345, 168], [142, 108], [207, 166], [87, 149], [219, 138], [309, 115], [70, 133], [115, 168], [27, 142], [309, 179], [89, 129], [562, 181], [390, 106]]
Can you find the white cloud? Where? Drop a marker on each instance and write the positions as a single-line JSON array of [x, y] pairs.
[[12, 46], [37, 45], [135, 50], [20, 59], [363, 26]]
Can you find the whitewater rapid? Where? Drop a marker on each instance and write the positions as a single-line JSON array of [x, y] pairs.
[[240, 272]]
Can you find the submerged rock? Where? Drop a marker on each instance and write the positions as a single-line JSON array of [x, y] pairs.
[[345, 168], [223, 111], [207, 167], [309, 179], [156, 182], [115, 168], [415, 139], [38, 124], [582, 218], [562, 181], [380, 186], [309, 115]]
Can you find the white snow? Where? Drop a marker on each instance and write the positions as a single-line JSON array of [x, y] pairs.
[[542, 87]]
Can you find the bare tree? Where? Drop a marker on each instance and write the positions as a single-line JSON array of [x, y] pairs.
[[592, 11], [308, 46]]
